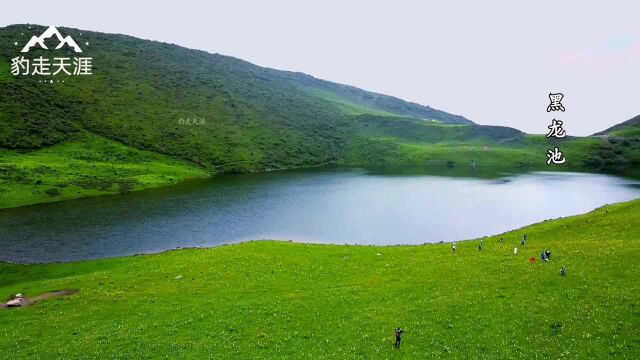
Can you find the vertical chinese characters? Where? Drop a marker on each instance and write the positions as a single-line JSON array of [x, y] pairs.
[[555, 156]]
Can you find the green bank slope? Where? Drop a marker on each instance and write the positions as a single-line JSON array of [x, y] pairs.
[[387, 140], [266, 300], [621, 143], [87, 166], [626, 129]]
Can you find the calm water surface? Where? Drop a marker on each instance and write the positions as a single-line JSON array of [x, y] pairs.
[[328, 206]]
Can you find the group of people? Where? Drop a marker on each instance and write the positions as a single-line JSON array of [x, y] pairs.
[[544, 256], [454, 245]]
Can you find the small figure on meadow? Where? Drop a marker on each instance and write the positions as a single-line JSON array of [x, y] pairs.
[[399, 333], [523, 242], [480, 245], [564, 271], [515, 251], [545, 255], [454, 247]]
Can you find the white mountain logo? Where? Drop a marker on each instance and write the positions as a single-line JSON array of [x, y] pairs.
[[51, 31]]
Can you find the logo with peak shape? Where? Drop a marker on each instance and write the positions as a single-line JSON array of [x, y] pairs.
[[51, 67], [47, 34]]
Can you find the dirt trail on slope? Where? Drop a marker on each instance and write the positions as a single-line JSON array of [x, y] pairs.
[[23, 301]]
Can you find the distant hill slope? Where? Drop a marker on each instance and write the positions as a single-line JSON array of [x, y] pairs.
[[369, 100], [620, 144], [254, 118], [629, 128]]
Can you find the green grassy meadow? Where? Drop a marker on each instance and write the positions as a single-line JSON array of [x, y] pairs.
[[269, 299], [529, 152], [348, 107], [87, 166]]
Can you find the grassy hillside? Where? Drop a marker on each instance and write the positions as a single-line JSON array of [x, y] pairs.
[[87, 166], [620, 144], [255, 118], [384, 140], [629, 129], [265, 300], [374, 103]]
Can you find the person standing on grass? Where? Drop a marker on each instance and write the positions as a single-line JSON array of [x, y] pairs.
[[480, 246], [524, 240], [398, 337], [454, 247]]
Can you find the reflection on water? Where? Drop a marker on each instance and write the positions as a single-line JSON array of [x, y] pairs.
[[381, 206]]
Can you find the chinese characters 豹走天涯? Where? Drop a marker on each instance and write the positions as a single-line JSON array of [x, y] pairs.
[[44, 66]]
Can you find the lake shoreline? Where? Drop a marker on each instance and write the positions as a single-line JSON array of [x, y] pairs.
[[235, 244], [426, 168]]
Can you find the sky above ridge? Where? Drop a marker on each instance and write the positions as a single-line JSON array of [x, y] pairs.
[[494, 62]]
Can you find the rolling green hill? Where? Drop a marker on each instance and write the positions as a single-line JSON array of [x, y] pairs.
[[366, 102], [620, 144], [629, 129], [249, 119], [254, 118], [266, 300], [87, 166]]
